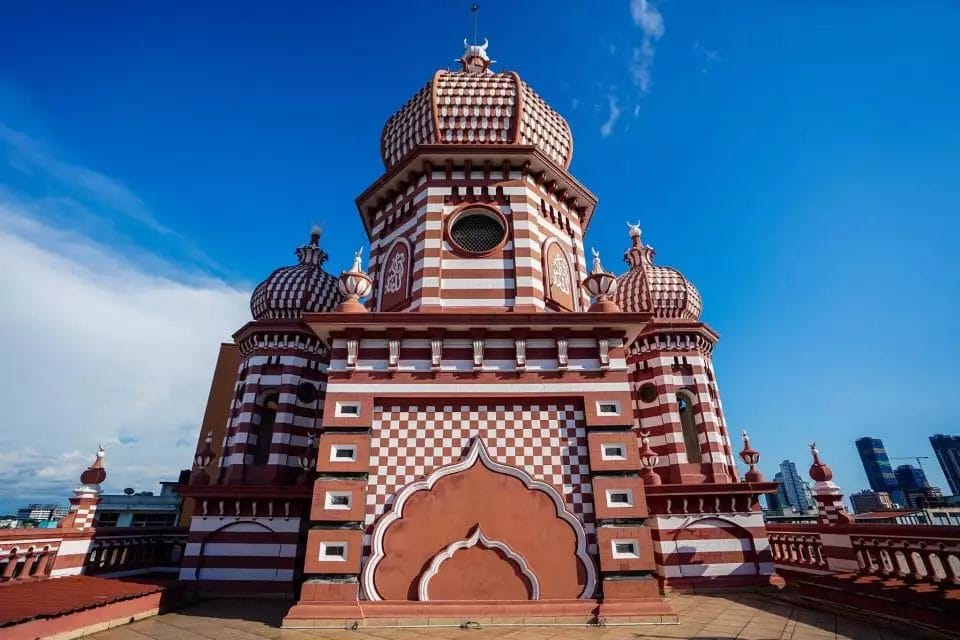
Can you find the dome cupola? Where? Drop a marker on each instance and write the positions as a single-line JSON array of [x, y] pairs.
[[663, 291], [289, 292], [476, 106]]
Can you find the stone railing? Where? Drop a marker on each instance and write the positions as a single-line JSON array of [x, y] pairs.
[[28, 553], [134, 550], [801, 551], [916, 553]]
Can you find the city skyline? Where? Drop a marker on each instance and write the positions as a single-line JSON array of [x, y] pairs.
[[144, 190]]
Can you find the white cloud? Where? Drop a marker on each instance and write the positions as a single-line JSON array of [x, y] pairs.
[[646, 16], [96, 348], [607, 127]]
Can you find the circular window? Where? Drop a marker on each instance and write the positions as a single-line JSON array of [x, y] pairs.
[[306, 393], [648, 392], [477, 231]]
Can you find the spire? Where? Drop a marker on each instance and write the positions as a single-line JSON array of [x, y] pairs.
[[311, 253], [475, 58], [638, 253]]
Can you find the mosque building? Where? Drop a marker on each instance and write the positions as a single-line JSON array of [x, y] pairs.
[[484, 419]]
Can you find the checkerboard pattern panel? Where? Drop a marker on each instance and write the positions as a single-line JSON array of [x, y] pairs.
[[548, 441]]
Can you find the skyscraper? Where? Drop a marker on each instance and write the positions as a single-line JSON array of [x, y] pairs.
[[910, 478], [947, 449], [876, 465], [793, 493]]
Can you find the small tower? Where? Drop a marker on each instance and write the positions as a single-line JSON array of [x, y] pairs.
[[86, 497], [825, 491]]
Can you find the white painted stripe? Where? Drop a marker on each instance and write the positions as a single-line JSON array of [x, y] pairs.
[[718, 569], [690, 546], [680, 522], [72, 571], [74, 547], [494, 284]]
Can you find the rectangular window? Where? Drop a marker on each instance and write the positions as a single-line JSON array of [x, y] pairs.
[[337, 500], [614, 451], [608, 408], [343, 453], [625, 549], [333, 551], [348, 409], [619, 498]]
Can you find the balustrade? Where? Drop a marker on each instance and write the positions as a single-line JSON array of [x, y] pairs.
[[135, 550]]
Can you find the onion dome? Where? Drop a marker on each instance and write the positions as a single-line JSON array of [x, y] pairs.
[[663, 291], [750, 457], [95, 473], [819, 472], [289, 292], [476, 106]]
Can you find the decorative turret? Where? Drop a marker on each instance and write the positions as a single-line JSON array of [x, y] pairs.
[[289, 292], [95, 474], [86, 497], [601, 285], [664, 291], [354, 284]]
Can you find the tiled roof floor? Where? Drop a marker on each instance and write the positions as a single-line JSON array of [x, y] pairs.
[[21, 601], [741, 616]]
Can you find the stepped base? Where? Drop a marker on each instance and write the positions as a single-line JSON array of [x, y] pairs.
[[469, 614]]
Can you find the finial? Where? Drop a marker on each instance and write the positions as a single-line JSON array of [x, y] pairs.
[[475, 58], [819, 472], [357, 261], [315, 232], [597, 267], [750, 457]]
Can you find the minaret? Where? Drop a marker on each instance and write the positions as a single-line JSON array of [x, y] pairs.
[[830, 509]]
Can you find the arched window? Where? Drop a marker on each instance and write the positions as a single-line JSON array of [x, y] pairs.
[[267, 412], [691, 439]]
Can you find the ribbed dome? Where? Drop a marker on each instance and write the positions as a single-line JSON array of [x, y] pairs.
[[289, 292], [664, 291], [476, 106]]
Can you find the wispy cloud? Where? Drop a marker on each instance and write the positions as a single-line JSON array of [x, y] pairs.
[[97, 348], [97, 197], [606, 129], [646, 16], [707, 57]]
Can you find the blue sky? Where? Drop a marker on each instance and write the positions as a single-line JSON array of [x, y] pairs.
[[800, 162]]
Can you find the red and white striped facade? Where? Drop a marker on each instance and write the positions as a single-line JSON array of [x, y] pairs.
[[476, 415]]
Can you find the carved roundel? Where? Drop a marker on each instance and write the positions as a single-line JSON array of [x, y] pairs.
[[395, 276], [559, 282], [476, 231]]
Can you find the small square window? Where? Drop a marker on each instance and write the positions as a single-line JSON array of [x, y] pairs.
[[610, 408], [625, 549], [333, 551], [348, 409], [337, 500], [614, 451], [619, 498], [343, 453]]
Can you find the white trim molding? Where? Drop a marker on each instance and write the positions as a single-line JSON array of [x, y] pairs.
[[423, 589], [477, 452]]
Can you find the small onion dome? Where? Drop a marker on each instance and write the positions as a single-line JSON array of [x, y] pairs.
[[819, 472], [476, 106], [354, 284], [660, 290], [289, 292], [601, 285], [95, 473]]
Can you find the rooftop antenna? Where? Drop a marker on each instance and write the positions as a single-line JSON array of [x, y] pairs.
[[474, 8]]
